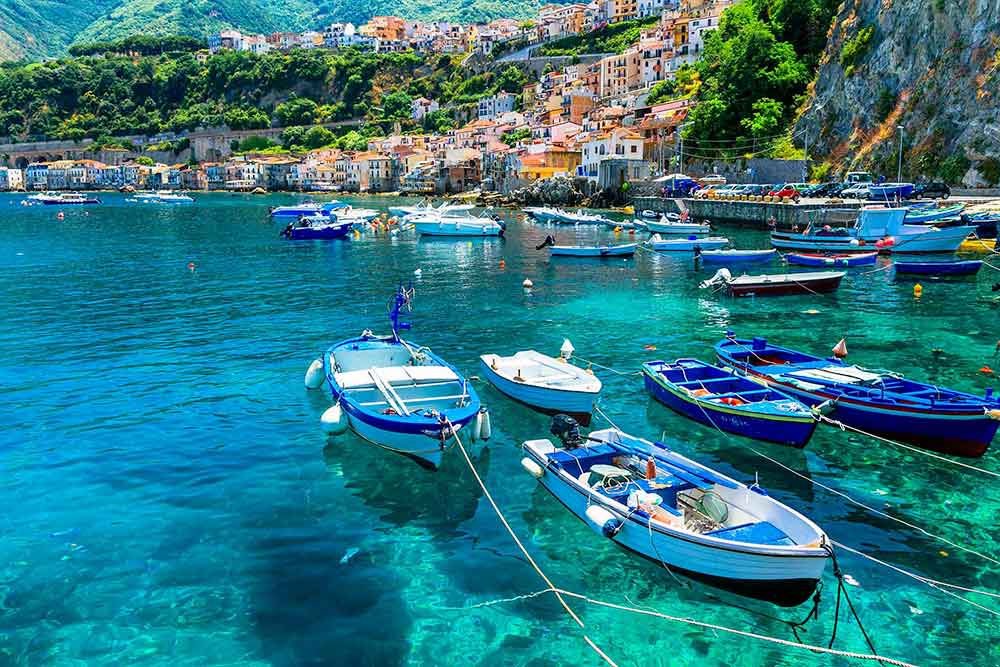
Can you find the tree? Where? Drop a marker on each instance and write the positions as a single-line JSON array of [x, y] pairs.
[[396, 105], [255, 143], [439, 122], [515, 137], [296, 111], [145, 161], [662, 90], [353, 141], [317, 137], [293, 136], [512, 80], [767, 118]]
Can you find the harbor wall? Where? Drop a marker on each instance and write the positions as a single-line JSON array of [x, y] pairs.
[[748, 213]]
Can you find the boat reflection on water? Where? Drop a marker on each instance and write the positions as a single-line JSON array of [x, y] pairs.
[[401, 492]]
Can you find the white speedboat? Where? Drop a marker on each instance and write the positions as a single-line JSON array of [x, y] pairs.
[[428, 207], [667, 225], [674, 511], [455, 225], [163, 197], [549, 384]]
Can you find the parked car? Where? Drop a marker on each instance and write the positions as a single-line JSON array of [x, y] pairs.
[[931, 190], [789, 190], [821, 189], [856, 191]]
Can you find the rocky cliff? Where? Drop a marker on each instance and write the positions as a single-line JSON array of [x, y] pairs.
[[930, 66]]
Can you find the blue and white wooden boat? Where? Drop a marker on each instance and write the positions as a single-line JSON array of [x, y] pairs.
[[872, 401], [672, 510], [621, 250], [831, 259], [675, 225], [317, 227], [397, 394], [548, 384], [738, 256], [686, 245], [968, 267], [876, 228], [736, 404], [922, 215]]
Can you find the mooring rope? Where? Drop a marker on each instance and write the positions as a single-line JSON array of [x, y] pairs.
[[916, 450], [606, 368], [531, 561]]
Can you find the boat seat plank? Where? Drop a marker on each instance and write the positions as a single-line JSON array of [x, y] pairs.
[[698, 473], [763, 532]]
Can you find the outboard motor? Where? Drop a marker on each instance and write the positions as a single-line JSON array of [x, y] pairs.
[[549, 240], [567, 430], [721, 277]]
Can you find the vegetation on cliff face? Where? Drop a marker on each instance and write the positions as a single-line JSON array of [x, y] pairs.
[[107, 95], [754, 74], [612, 38]]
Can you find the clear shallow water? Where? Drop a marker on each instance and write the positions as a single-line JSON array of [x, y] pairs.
[[168, 498]]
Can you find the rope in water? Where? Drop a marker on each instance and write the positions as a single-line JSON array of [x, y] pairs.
[[531, 561], [916, 450], [933, 583], [606, 368]]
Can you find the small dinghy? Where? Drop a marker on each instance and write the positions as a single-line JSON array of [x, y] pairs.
[[823, 260], [968, 267], [738, 256], [547, 384], [668, 226], [776, 284], [659, 244], [677, 512], [620, 250], [716, 397], [397, 394], [872, 401]]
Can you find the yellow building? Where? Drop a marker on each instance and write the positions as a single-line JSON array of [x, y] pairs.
[[553, 160]]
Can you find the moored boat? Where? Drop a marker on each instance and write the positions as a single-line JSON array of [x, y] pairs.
[[776, 284], [921, 215], [978, 245], [545, 383], [620, 250], [968, 267], [66, 199], [659, 244], [396, 394], [872, 401], [456, 225], [738, 256], [676, 226], [830, 259], [672, 510], [318, 227], [718, 398]]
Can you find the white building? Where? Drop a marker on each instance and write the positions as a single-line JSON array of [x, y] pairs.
[[339, 35], [493, 106], [422, 106], [617, 144], [226, 39], [11, 179]]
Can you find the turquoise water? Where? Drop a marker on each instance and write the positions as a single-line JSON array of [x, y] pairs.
[[168, 497]]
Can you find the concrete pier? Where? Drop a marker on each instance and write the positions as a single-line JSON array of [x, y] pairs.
[[750, 213]]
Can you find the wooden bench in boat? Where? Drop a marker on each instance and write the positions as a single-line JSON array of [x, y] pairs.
[[386, 380]]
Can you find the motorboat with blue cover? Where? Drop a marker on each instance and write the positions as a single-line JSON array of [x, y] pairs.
[[694, 520], [873, 401]]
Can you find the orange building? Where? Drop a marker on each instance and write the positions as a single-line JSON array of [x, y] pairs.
[[390, 28]]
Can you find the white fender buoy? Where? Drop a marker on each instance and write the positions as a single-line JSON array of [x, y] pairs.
[[532, 467], [527, 284], [315, 375], [475, 426], [603, 521], [485, 428], [418, 273], [334, 421]]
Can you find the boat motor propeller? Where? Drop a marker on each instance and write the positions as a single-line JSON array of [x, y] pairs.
[[721, 277]]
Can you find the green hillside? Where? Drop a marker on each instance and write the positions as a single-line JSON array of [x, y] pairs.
[[44, 28]]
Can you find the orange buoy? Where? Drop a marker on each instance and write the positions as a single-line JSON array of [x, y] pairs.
[[503, 264], [986, 370], [918, 289], [840, 349], [649, 347], [650, 468], [60, 215]]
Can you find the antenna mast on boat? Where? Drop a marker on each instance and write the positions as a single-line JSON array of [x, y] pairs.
[[402, 300]]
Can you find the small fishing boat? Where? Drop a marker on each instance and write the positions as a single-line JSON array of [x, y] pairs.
[[716, 397], [397, 394], [317, 227], [659, 244], [968, 267], [978, 245], [670, 509], [675, 226], [776, 284], [457, 225], [738, 256], [873, 401], [163, 197], [922, 215], [832, 259], [542, 382], [621, 250]]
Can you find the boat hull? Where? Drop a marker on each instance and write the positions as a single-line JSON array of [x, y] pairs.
[[848, 261], [786, 287], [624, 250], [967, 268], [727, 257], [784, 580], [688, 245], [577, 404], [676, 228], [319, 233], [457, 229], [791, 430]]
